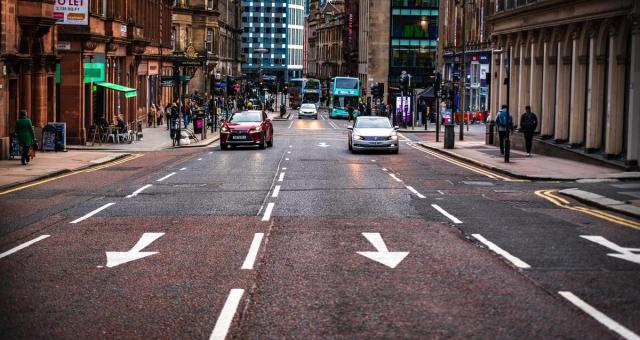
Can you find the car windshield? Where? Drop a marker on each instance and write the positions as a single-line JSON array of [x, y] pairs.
[[308, 107], [375, 123], [245, 117]]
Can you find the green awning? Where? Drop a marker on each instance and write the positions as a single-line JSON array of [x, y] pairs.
[[128, 91]]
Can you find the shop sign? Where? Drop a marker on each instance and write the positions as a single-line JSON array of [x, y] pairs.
[[71, 12], [123, 31], [93, 72], [167, 81], [63, 45]]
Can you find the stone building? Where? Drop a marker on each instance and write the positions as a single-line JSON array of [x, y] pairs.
[[330, 41], [576, 64], [374, 43], [113, 65], [27, 64], [230, 46]]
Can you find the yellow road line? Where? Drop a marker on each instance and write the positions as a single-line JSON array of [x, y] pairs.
[[549, 194], [46, 180], [484, 172]]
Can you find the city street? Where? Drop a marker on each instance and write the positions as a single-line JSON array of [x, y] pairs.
[[307, 240]]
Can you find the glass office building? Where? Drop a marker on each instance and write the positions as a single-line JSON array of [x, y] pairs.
[[278, 27]]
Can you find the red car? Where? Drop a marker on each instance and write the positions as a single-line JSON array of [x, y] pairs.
[[247, 128]]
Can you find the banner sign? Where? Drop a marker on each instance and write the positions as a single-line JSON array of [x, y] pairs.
[[71, 12]]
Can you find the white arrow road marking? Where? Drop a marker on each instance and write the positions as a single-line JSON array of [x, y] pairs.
[[516, 261], [226, 315], [165, 177], [445, 213], [253, 251], [116, 258], [135, 193], [22, 246], [324, 145], [599, 316], [92, 213], [382, 254], [622, 252]]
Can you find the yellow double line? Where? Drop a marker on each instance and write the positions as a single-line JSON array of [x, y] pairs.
[[488, 173], [96, 168], [550, 195]]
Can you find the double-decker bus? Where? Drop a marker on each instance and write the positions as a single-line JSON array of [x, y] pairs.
[[345, 92], [303, 91]]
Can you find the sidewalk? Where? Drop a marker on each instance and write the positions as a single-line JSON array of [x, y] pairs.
[[49, 164], [620, 203], [154, 139], [474, 150]]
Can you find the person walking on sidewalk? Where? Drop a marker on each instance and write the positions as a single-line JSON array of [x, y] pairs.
[[505, 126], [26, 136], [350, 112], [528, 125]]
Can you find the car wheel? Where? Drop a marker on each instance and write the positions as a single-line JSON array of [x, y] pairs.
[[316, 117], [224, 146], [262, 141], [350, 147], [395, 151], [270, 142]]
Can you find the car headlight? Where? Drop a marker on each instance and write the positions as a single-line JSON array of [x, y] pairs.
[[393, 137], [256, 129], [358, 137], [224, 129]]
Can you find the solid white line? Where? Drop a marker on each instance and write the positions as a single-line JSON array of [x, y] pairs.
[[165, 177], [22, 246], [253, 251], [183, 169], [281, 178], [599, 316], [267, 212], [516, 261], [276, 191], [415, 191], [135, 193], [396, 178], [92, 213], [290, 125], [449, 216], [226, 315]]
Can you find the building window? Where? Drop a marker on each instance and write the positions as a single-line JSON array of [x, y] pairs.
[[210, 5], [210, 40], [174, 38]]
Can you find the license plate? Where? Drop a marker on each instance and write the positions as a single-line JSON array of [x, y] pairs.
[[239, 137]]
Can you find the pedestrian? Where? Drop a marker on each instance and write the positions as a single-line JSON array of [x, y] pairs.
[[505, 126], [350, 112], [528, 126], [151, 115], [368, 109], [26, 136], [159, 114], [361, 109], [186, 113], [167, 115]]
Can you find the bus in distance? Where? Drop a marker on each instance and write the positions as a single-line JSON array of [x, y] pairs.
[[345, 92]]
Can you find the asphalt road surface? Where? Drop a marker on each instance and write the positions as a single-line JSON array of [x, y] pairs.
[[306, 240]]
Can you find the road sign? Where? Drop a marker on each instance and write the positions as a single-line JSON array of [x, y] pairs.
[[382, 254], [116, 258]]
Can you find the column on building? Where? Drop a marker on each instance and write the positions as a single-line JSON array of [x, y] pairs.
[[494, 103], [535, 93], [25, 100], [548, 85], [579, 59], [502, 74], [633, 123], [525, 74], [563, 89], [514, 75], [72, 86], [595, 89], [614, 139]]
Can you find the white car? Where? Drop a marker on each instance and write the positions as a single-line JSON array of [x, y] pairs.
[[373, 133], [308, 110]]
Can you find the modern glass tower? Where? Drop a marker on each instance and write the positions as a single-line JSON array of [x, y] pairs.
[[278, 27]]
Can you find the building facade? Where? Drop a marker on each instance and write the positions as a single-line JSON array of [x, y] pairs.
[[278, 28], [28, 62], [476, 48], [576, 64], [113, 65], [374, 43]]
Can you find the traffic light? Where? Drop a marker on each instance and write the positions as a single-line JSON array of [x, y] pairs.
[[285, 89], [261, 84]]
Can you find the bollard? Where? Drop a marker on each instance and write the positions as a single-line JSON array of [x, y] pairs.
[[449, 136], [507, 148], [490, 132]]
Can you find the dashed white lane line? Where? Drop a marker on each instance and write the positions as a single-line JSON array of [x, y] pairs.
[[199, 159], [415, 191], [445, 213], [226, 315], [289, 152], [281, 178], [384, 169], [135, 193], [165, 177], [267, 212], [516, 261], [284, 168], [183, 169], [373, 160], [440, 192], [290, 125], [290, 146], [396, 178], [599, 316], [92, 213], [253, 251], [22, 246], [276, 191], [286, 159]]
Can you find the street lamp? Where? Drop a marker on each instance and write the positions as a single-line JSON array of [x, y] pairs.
[[260, 50]]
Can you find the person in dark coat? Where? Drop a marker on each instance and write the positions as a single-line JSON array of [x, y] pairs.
[[505, 126], [350, 112], [26, 136], [528, 125]]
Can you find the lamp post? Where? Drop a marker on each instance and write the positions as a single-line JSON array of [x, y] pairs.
[[463, 77], [260, 50], [506, 81]]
